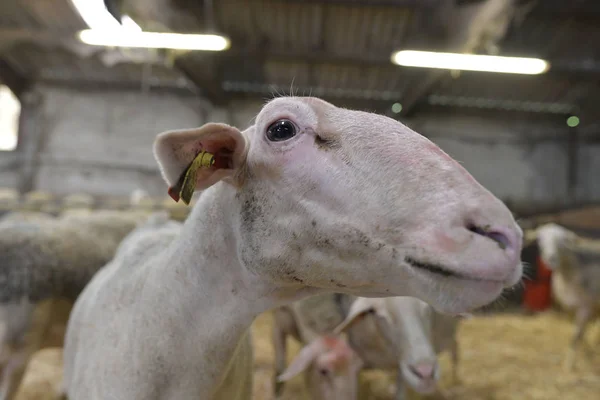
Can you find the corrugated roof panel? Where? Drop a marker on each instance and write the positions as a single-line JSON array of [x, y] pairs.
[[351, 36]]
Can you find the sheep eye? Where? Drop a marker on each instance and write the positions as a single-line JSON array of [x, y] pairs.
[[323, 372], [281, 130]]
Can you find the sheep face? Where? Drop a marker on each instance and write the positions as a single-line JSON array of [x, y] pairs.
[[354, 202]]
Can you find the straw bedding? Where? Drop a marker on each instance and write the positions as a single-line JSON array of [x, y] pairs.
[[503, 357]]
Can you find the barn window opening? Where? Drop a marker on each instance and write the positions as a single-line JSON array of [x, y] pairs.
[[10, 110]]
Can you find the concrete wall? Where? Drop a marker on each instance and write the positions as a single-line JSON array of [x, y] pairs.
[[100, 142], [8, 169], [520, 161]]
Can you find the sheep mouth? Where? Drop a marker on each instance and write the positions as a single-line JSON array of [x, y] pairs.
[[434, 268], [444, 271]]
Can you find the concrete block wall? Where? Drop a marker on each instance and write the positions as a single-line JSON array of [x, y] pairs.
[[589, 165], [100, 142], [8, 169], [516, 160]]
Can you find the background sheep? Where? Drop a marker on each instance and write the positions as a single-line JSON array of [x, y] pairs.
[[44, 261], [331, 366], [575, 264], [16, 216], [403, 334], [399, 333]]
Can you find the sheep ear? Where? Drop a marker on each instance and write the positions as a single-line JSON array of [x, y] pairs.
[[304, 358], [195, 159], [363, 307], [358, 310]]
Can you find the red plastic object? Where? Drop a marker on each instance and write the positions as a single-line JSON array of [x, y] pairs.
[[537, 295]]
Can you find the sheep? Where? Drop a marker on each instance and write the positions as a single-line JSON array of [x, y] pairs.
[[44, 263], [291, 207], [310, 321], [331, 368], [16, 216], [78, 202], [9, 201], [403, 334], [38, 201], [575, 265], [398, 333]]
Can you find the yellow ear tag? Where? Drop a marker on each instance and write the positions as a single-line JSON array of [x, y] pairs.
[[203, 159]]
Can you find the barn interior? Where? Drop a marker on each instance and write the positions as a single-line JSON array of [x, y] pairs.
[[79, 115]]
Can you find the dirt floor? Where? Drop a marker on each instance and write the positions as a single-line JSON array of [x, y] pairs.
[[503, 357]]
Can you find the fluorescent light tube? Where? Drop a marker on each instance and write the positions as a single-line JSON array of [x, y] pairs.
[[95, 14], [470, 62], [128, 23], [108, 32], [153, 40]]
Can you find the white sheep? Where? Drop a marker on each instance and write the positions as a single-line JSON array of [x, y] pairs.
[[293, 206], [397, 333], [45, 262], [331, 368], [575, 265], [403, 334], [330, 365]]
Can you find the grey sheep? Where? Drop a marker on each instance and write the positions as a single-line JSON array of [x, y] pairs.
[[575, 265], [43, 262], [329, 364], [20, 216]]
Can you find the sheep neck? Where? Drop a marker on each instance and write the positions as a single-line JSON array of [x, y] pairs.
[[217, 290]]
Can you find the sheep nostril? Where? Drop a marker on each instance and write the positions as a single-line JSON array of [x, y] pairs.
[[424, 371], [500, 238], [414, 371]]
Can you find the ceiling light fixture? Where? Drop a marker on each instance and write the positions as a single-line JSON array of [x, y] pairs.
[[106, 31], [95, 14], [470, 62], [573, 121], [153, 40]]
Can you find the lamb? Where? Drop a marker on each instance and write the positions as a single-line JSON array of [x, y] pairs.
[[399, 333], [575, 265], [291, 207], [331, 365], [45, 262], [403, 334], [331, 368]]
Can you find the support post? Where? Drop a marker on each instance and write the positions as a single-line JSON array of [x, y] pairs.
[[572, 164], [30, 138]]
